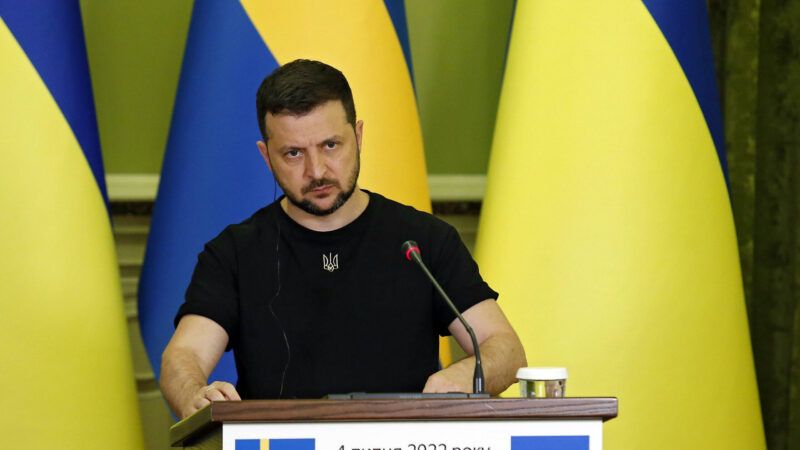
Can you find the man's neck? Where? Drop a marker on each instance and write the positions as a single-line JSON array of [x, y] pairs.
[[346, 213]]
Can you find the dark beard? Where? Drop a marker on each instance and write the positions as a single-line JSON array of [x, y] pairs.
[[313, 209], [341, 199]]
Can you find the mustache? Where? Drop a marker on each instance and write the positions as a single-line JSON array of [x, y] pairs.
[[318, 184]]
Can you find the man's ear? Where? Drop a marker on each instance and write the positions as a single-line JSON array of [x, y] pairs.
[[359, 133], [262, 148]]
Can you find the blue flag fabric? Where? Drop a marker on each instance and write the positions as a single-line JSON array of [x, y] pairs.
[[212, 174]]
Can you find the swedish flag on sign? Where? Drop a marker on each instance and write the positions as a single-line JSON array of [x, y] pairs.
[[275, 444], [549, 442]]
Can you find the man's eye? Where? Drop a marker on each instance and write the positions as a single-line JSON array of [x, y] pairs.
[[293, 153], [330, 145]]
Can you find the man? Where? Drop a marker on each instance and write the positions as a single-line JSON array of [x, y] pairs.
[[312, 292]]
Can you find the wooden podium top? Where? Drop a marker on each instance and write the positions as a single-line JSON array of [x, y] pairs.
[[213, 415]]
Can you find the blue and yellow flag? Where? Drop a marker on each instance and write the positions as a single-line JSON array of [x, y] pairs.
[[213, 174], [275, 444], [607, 222], [66, 360]]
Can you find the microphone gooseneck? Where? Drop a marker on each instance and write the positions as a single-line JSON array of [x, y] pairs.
[[412, 253]]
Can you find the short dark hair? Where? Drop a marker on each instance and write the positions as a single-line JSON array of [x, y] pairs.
[[300, 86]]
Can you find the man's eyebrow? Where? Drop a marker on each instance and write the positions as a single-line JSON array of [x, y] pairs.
[[335, 137], [287, 147]]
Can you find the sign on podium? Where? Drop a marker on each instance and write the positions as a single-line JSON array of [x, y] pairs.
[[399, 424]]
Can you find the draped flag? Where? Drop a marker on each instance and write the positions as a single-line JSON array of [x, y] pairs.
[[66, 361], [213, 174], [607, 222]]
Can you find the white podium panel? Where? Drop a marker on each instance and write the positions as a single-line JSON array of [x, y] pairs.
[[584, 434]]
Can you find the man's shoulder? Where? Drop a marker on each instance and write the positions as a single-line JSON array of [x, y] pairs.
[[247, 230], [400, 215]]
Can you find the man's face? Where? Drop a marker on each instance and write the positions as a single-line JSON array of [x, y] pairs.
[[314, 157]]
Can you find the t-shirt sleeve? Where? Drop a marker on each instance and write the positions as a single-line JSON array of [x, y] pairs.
[[460, 278], [213, 291]]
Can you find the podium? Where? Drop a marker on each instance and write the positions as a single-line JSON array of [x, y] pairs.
[[412, 424]]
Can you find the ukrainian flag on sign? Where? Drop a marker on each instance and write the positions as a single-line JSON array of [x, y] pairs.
[[213, 174], [274, 444], [61, 319], [607, 221]]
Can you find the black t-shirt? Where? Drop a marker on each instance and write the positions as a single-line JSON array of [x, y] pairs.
[[339, 311]]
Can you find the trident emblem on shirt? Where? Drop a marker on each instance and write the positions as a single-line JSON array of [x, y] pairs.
[[330, 262]]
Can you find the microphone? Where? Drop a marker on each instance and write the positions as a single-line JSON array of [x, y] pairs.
[[411, 250]]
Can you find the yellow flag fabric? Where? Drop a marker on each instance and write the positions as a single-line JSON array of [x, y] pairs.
[[65, 361], [607, 227]]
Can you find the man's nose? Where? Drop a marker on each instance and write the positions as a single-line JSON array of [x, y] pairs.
[[315, 165]]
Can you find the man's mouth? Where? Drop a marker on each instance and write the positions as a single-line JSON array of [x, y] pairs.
[[320, 186]]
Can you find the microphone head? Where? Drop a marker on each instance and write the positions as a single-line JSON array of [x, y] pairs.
[[410, 247]]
